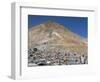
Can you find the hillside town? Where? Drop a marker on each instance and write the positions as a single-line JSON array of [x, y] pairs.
[[55, 57]]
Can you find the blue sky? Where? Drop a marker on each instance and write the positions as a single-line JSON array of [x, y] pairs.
[[78, 25]]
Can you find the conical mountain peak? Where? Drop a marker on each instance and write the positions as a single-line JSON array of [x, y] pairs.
[[50, 38], [52, 32]]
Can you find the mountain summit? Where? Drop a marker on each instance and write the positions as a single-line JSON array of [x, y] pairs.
[[53, 33]]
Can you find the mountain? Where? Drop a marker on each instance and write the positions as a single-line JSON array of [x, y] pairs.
[[51, 37], [51, 43]]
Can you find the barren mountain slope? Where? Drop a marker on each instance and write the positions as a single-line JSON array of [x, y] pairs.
[[56, 35]]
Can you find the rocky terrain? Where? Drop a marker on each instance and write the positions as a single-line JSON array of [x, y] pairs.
[[52, 44]]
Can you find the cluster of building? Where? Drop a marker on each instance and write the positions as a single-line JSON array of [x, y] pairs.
[[54, 56]]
